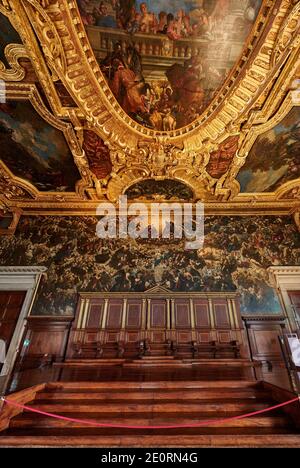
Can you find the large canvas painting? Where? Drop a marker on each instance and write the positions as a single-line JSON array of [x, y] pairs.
[[34, 150], [236, 254], [164, 60], [275, 157]]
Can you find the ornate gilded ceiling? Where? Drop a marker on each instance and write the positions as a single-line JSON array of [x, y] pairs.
[[183, 100]]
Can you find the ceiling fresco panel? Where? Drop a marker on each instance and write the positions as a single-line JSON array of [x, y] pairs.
[[274, 158], [165, 60], [34, 150]]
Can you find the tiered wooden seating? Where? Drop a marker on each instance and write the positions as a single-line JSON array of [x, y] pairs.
[[152, 403], [157, 322], [212, 349], [142, 348], [98, 350]]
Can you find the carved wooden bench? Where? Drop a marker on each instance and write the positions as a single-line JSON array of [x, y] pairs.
[[211, 349], [227, 349]]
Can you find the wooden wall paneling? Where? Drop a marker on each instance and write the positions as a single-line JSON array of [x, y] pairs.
[[263, 335], [134, 311], [183, 336], [221, 313], [158, 313], [112, 336], [204, 336], [133, 336], [114, 313], [264, 340], [95, 313], [201, 313], [157, 336], [10, 307], [182, 313], [43, 335], [224, 336]]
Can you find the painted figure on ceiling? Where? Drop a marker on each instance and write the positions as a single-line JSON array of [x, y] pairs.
[[84, 9], [103, 17], [128, 89], [148, 21], [97, 154]]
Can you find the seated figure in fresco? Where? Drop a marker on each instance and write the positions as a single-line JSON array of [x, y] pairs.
[[103, 18]]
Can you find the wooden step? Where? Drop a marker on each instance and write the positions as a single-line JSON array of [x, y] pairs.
[[154, 363], [36, 422], [176, 384], [88, 406], [159, 395], [157, 358], [213, 440], [90, 362], [207, 395]]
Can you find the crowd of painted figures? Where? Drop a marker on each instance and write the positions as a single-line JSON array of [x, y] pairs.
[[205, 20], [235, 256]]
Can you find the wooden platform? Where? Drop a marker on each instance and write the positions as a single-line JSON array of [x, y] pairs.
[[152, 403]]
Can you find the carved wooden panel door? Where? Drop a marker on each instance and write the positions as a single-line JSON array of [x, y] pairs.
[[10, 307]]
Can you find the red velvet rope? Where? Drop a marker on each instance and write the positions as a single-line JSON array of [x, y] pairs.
[[121, 426]]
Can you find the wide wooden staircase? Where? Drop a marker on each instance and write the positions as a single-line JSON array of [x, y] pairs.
[[147, 404]]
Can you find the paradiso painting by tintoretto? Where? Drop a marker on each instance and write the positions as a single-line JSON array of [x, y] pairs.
[[165, 60]]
